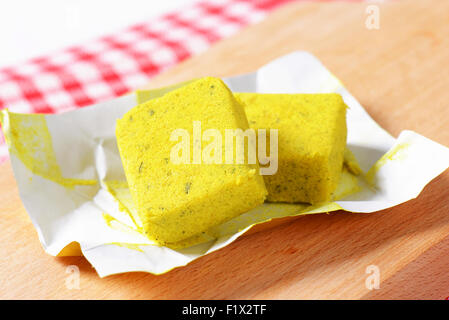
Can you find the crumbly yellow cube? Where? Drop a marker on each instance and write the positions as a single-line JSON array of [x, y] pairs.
[[311, 142], [176, 201]]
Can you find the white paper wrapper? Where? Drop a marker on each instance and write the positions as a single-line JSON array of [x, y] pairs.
[[61, 163]]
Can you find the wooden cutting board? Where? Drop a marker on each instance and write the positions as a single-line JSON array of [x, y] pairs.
[[399, 73]]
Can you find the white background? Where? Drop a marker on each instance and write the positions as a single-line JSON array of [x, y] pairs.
[[32, 28]]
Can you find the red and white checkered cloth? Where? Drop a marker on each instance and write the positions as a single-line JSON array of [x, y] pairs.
[[113, 65]]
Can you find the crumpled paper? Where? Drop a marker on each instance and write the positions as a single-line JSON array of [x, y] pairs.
[[72, 184]]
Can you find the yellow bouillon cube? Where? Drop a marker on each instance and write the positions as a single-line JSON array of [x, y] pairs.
[[179, 200], [311, 142]]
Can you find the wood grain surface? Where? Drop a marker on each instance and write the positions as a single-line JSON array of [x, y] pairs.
[[400, 75]]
